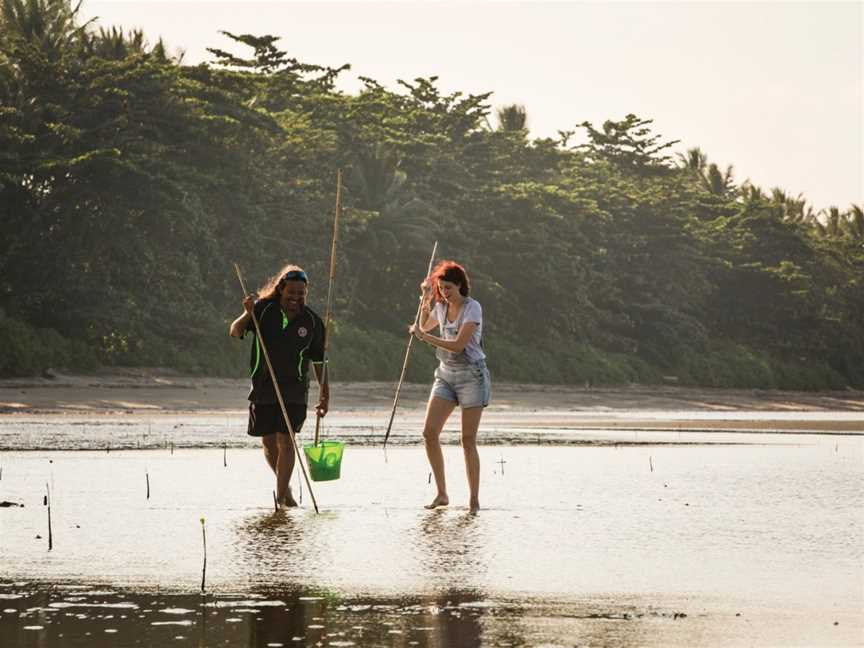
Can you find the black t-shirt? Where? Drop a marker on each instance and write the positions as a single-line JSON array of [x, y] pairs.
[[291, 345]]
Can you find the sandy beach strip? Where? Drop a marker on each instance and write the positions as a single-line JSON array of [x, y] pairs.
[[153, 393]]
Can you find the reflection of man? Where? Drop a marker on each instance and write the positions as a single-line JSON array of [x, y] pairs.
[[294, 336]]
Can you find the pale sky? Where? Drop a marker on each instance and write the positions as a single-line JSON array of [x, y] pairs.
[[773, 88]]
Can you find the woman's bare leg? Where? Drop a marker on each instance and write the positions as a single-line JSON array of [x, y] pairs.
[[437, 412], [470, 425]]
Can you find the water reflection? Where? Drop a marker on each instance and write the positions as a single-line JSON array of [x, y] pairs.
[[46, 615], [451, 548], [449, 619], [265, 541]]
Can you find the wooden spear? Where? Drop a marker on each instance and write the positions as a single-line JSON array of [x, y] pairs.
[[330, 291], [408, 350], [278, 391]]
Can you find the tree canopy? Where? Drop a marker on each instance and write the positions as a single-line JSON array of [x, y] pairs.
[[129, 183]]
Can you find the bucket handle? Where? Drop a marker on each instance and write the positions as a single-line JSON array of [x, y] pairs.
[[318, 427]]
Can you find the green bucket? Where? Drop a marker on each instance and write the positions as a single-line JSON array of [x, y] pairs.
[[324, 460]]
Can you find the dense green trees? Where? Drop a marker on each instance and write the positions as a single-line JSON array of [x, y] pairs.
[[129, 183]]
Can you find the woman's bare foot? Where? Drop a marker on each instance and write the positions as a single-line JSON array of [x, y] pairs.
[[440, 500], [473, 506]]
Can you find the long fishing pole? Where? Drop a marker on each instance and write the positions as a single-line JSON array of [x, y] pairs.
[[408, 350], [277, 390], [330, 290]]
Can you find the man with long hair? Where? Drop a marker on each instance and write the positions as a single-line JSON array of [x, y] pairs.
[[294, 337]]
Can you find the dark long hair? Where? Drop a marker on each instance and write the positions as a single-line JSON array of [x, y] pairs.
[[273, 286], [449, 271]]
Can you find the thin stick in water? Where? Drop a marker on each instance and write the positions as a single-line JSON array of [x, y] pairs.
[[147, 477], [651, 463], [225, 455], [204, 567], [48, 502]]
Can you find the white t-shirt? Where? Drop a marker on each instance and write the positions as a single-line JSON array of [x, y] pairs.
[[471, 312]]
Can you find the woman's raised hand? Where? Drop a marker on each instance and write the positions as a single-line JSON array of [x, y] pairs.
[[416, 331], [425, 293]]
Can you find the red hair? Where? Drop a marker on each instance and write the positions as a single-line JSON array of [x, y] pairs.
[[452, 272]]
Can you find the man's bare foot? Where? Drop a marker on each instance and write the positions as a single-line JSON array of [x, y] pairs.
[[440, 500], [474, 506], [287, 500]]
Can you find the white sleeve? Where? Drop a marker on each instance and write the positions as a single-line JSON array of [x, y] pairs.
[[473, 312]]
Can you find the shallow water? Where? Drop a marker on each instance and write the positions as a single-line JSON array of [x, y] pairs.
[[602, 545]]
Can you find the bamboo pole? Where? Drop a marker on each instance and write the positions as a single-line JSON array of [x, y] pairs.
[[408, 350], [266, 355], [338, 211]]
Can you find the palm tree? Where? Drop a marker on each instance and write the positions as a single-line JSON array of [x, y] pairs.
[[50, 25], [793, 210], [375, 178], [855, 222], [834, 222], [114, 44], [712, 179], [376, 187], [694, 160], [751, 194], [718, 182], [387, 220]]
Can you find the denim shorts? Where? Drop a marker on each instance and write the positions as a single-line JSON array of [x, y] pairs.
[[469, 385]]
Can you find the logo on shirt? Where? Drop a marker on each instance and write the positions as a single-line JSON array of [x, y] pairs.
[[302, 332]]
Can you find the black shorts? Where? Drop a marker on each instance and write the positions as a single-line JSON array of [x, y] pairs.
[[267, 419]]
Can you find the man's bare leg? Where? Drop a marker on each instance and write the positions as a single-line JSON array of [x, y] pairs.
[[284, 470], [271, 450]]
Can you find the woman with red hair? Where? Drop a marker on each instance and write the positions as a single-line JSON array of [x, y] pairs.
[[461, 377]]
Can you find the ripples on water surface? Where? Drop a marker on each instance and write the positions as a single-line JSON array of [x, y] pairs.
[[630, 545]]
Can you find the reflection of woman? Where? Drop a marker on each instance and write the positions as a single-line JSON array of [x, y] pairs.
[[294, 336], [461, 377]]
